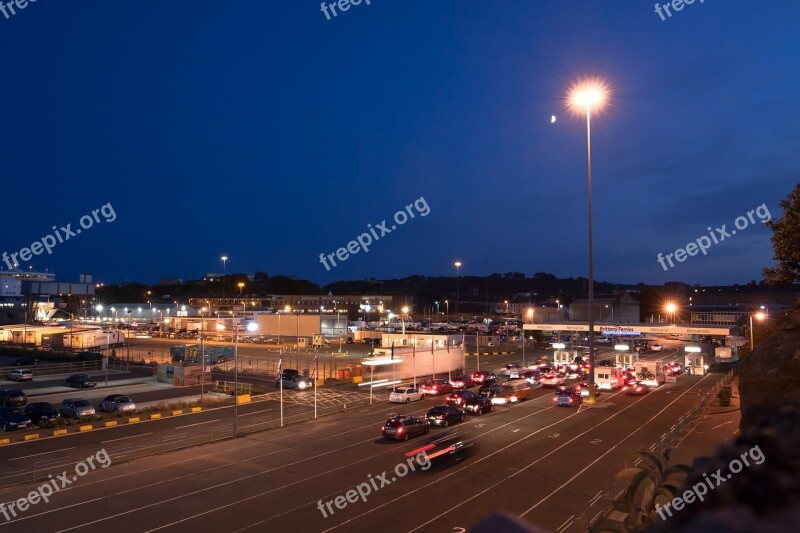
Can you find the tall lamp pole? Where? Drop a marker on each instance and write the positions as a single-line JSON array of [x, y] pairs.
[[224, 275], [458, 267], [759, 316], [583, 97]]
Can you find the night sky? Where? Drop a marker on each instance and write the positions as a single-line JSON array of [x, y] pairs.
[[262, 131]]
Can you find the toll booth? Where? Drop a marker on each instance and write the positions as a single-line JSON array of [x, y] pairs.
[[695, 364], [564, 357], [626, 359]]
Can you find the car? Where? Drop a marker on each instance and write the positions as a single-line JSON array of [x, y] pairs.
[[435, 387], [510, 368], [12, 398], [568, 396], [531, 376], [636, 389], [602, 340], [552, 379], [292, 379], [12, 418], [444, 415], [478, 405], [459, 397], [26, 360], [656, 347], [489, 390], [402, 427], [406, 394], [482, 375], [80, 381], [512, 391], [20, 374], [606, 363], [41, 412], [118, 403], [448, 451], [584, 386], [76, 408], [462, 382]]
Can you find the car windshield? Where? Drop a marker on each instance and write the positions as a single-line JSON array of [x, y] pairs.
[[122, 399], [15, 393], [394, 423], [10, 411], [402, 391], [81, 403]]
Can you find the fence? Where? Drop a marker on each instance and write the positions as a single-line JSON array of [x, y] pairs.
[[57, 368], [602, 503]]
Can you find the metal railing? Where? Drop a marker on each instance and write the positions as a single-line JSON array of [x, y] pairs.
[[56, 368]]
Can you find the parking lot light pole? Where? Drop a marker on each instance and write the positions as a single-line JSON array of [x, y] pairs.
[[583, 97]]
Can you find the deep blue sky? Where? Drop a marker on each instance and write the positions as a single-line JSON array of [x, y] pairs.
[[261, 130]]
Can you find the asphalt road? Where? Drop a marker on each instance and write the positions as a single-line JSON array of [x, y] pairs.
[[532, 459]]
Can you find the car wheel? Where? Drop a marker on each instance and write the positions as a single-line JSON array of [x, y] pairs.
[[446, 423], [405, 437], [427, 429], [408, 400], [479, 411], [463, 416]]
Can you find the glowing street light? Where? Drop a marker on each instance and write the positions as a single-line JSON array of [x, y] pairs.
[[760, 316], [582, 99], [458, 266]]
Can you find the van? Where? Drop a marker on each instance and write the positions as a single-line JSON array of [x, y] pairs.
[[512, 391]]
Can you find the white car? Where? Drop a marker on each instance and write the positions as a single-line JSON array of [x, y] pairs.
[[20, 374], [656, 347], [406, 395]]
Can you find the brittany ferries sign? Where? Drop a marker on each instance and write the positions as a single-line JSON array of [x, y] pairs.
[[632, 329]]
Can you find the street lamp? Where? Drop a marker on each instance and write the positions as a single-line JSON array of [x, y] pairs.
[[583, 97], [224, 273], [458, 266], [671, 309], [241, 286], [760, 316], [447, 311]]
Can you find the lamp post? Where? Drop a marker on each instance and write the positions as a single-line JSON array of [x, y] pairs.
[[530, 318], [458, 267], [583, 97], [671, 309], [224, 274], [759, 316], [447, 311]]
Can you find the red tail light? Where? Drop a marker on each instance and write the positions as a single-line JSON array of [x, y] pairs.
[[400, 429]]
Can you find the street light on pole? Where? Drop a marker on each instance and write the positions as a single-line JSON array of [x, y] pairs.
[[224, 273], [458, 267], [583, 98], [760, 316]]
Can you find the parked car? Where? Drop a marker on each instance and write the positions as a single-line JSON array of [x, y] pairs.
[[117, 403], [459, 398], [444, 415], [41, 412], [462, 382], [567, 396], [478, 405], [76, 408], [26, 360], [435, 387], [20, 374], [12, 418], [402, 427], [406, 394], [80, 381], [482, 375], [12, 398]]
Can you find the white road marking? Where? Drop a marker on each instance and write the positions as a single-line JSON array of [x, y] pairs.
[[724, 423], [199, 423], [123, 438], [43, 453]]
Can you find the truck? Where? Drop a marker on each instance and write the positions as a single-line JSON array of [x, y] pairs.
[[726, 354], [650, 372]]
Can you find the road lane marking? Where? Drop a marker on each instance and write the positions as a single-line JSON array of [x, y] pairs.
[[198, 423], [724, 423], [43, 453], [123, 438]]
